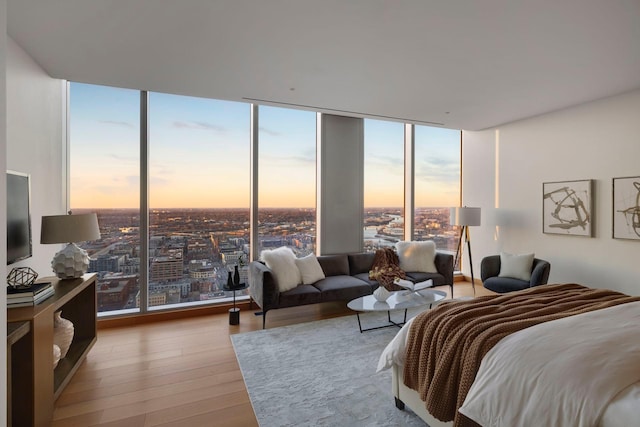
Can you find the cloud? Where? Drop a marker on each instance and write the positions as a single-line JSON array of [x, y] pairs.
[[117, 123], [121, 158], [269, 131], [199, 126]]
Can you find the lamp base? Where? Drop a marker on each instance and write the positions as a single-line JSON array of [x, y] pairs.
[[71, 262]]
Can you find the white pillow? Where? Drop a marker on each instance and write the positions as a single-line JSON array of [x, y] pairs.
[[310, 269], [282, 263], [516, 266], [417, 256]]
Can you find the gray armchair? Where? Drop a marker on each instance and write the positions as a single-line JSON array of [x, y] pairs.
[[490, 269]]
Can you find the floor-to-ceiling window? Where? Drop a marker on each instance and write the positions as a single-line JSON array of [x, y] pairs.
[[198, 198], [437, 185], [287, 179], [199, 190], [104, 166], [383, 183]]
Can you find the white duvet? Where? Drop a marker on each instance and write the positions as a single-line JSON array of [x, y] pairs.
[[581, 371]]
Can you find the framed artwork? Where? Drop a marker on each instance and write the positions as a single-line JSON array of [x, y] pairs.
[[626, 208], [567, 207]]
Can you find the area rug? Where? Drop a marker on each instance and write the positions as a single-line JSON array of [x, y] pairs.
[[321, 374]]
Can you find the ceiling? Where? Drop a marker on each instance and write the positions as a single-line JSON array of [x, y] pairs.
[[459, 64]]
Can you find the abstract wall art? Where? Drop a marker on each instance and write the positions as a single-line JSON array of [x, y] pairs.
[[567, 207], [626, 208]]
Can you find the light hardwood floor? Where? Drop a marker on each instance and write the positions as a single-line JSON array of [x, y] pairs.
[[177, 373]]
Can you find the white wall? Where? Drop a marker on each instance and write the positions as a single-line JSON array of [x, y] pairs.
[[504, 169], [35, 125], [3, 210]]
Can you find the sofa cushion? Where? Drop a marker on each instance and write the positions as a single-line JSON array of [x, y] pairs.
[[334, 265], [300, 295], [343, 287], [281, 262], [361, 263], [417, 256], [418, 276], [365, 277], [310, 270]]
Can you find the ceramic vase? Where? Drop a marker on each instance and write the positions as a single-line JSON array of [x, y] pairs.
[[381, 294], [236, 277], [230, 281], [56, 355], [62, 333]]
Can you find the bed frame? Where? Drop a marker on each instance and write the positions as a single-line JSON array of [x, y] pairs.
[[409, 397]]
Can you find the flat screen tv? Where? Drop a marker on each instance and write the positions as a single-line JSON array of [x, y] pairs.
[[19, 244]]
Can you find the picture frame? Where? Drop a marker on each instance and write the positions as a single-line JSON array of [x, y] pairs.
[[567, 207], [625, 208]]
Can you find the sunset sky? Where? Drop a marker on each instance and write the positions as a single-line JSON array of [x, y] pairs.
[[199, 154]]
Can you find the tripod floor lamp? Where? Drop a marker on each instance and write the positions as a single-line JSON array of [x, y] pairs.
[[465, 217]]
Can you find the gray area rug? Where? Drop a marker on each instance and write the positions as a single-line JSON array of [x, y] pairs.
[[321, 374]]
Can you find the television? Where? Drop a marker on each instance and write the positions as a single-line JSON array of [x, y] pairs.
[[19, 242]]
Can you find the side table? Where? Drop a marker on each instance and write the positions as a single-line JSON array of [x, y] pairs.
[[234, 312]]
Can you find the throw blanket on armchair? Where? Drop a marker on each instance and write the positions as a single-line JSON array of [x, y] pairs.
[[446, 344], [385, 268]]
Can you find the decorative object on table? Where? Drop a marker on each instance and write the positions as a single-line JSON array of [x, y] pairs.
[[236, 276], [386, 268], [381, 294], [72, 261], [567, 207], [465, 217], [56, 355], [414, 287], [229, 280], [21, 277], [626, 208], [25, 297], [62, 333]]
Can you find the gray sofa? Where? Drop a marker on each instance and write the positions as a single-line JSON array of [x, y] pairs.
[[347, 278]]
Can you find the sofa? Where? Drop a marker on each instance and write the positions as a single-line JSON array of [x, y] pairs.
[[346, 278]]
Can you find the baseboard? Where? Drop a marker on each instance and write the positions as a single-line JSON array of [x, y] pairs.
[[182, 313]]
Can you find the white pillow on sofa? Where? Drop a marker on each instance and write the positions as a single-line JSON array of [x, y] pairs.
[[417, 256], [310, 269], [282, 262], [516, 266]]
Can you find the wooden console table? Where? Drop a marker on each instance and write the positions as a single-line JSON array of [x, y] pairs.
[[36, 385]]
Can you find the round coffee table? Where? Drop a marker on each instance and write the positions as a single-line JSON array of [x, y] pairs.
[[398, 300]]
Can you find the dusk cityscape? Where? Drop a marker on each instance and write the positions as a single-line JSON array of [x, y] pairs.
[[192, 251]]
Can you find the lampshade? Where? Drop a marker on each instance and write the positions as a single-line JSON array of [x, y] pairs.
[[72, 261], [465, 216], [69, 228]]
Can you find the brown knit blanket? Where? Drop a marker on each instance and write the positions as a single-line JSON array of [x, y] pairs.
[[446, 344], [385, 268]]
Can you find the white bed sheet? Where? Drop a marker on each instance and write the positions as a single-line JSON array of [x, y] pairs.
[[622, 411]]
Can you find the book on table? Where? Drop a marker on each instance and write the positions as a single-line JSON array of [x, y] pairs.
[[26, 297], [413, 287]]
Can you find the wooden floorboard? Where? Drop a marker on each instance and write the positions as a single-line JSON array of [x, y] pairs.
[[179, 372]]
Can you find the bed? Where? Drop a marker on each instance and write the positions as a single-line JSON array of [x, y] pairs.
[[559, 355]]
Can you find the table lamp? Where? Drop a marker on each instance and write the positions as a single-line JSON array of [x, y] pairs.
[[465, 217], [72, 261]]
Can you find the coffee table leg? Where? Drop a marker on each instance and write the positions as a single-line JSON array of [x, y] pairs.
[[359, 324]]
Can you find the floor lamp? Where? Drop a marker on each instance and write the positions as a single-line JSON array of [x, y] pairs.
[[465, 217]]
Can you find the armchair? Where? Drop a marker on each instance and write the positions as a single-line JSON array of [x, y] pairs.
[[490, 269]]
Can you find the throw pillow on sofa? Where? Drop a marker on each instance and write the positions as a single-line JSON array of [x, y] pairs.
[[310, 269], [417, 256], [282, 262]]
